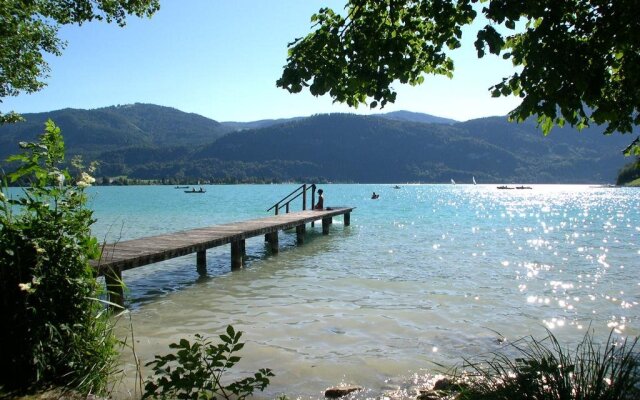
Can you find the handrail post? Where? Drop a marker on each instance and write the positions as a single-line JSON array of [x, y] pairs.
[[313, 201], [277, 207], [287, 208], [304, 196]]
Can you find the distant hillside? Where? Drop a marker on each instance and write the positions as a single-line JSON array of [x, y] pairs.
[[565, 155], [152, 142], [372, 149], [263, 123], [407, 116], [417, 117], [90, 132]]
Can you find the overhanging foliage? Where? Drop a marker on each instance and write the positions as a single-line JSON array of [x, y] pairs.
[[579, 60]]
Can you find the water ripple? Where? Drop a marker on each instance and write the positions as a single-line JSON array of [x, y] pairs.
[[426, 273]]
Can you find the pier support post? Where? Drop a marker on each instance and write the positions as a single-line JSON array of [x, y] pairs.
[[115, 287], [236, 254], [273, 241], [201, 262], [300, 231], [347, 219], [326, 222]]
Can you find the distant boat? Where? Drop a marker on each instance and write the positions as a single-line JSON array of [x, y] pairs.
[[453, 182], [182, 187], [193, 190], [474, 180], [504, 187], [523, 187], [396, 187]]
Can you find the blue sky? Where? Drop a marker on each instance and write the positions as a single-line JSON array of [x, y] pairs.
[[221, 58]]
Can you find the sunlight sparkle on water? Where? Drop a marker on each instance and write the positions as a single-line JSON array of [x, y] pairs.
[[538, 300], [554, 323]]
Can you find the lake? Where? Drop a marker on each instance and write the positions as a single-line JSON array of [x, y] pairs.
[[425, 275]]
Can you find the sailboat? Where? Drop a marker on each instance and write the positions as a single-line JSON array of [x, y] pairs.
[[453, 182], [474, 180]]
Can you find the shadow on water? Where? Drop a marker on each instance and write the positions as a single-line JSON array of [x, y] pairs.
[[153, 282]]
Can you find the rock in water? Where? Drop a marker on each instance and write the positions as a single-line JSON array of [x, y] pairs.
[[445, 384], [337, 392]]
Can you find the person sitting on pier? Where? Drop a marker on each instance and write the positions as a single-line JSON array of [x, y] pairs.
[[320, 204]]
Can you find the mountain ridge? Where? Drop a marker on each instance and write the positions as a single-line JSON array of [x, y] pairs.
[[117, 126], [146, 141], [412, 116]]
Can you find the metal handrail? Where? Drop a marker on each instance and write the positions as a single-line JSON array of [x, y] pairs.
[[285, 197], [286, 200]]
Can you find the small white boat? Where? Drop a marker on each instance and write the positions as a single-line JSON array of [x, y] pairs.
[[453, 182]]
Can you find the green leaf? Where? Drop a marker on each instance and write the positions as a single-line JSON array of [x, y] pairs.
[[633, 148], [546, 124], [230, 331], [237, 347]]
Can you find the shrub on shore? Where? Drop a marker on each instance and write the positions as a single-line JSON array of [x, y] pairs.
[[629, 175], [196, 371], [54, 330], [544, 370]]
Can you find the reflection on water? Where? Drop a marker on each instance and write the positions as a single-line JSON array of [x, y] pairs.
[[425, 274]]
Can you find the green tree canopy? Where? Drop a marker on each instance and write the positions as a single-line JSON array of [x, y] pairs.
[[578, 60], [29, 29]]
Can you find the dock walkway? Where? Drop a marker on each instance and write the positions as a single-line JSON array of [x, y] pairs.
[[121, 256]]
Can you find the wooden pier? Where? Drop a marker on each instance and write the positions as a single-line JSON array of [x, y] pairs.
[[120, 256]]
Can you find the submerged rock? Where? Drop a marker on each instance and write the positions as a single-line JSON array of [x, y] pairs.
[[446, 384], [337, 392], [430, 395], [435, 395], [443, 389]]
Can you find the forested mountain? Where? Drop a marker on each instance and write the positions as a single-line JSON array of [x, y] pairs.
[[263, 123], [91, 132], [372, 149], [394, 115], [417, 117], [152, 142]]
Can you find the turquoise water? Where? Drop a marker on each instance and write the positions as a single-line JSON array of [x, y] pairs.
[[425, 274]]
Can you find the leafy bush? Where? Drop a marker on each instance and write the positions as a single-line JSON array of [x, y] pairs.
[[629, 172], [544, 370], [54, 331], [195, 371]]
